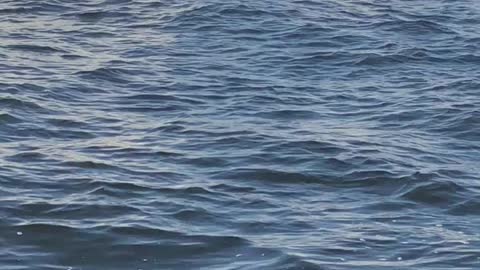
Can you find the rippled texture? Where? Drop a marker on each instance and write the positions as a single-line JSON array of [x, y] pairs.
[[207, 134]]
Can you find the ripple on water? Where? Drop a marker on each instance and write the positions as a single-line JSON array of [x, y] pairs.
[[300, 134]]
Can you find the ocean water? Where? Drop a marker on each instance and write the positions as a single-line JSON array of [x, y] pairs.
[[208, 134]]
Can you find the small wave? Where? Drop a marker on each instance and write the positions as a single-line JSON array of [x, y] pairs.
[[97, 15], [288, 114], [468, 207], [27, 157], [6, 118], [115, 75], [309, 147], [272, 176], [19, 10], [434, 193], [15, 103], [415, 27], [161, 98], [35, 48], [75, 211], [89, 165]]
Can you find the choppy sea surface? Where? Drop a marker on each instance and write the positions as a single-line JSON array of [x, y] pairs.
[[208, 134]]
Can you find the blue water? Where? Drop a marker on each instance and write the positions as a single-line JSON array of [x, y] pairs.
[[208, 134]]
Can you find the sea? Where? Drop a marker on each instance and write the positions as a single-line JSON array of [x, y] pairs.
[[239, 135]]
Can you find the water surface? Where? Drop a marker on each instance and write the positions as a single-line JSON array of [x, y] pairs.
[[208, 134]]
